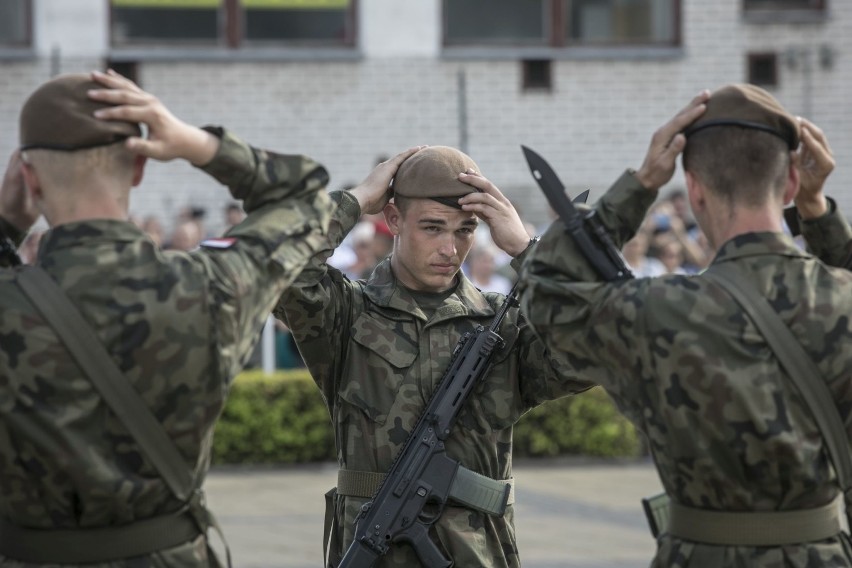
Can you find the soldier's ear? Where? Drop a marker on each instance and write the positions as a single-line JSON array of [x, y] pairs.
[[138, 169], [393, 217], [31, 181], [793, 181], [695, 191]]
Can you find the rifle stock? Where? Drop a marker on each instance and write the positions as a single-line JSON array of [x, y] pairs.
[[416, 489]]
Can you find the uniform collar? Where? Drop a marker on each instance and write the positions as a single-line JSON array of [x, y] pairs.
[[384, 290], [759, 244], [88, 233]]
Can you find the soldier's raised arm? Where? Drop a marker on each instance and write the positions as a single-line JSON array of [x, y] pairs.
[[824, 228]]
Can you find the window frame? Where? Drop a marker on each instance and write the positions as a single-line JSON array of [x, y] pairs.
[[231, 36], [783, 5], [27, 43], [557, 40]]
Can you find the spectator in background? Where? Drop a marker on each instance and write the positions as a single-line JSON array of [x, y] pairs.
[[481, 268], [194, 214], [664, 224], [234, 214], [186, 236], [670, 253], [636, 254], [154, 229], [363, 236]]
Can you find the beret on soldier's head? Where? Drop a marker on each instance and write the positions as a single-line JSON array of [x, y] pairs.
[[433, 173], [59, 115], [748, 106]]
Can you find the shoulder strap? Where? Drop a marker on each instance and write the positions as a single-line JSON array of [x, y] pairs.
[[799, 366], [92, 357]]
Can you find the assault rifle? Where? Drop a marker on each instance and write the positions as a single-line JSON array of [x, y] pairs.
[[422, 477]]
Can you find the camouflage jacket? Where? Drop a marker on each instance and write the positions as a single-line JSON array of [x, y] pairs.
[[377, 358], [682, 362], [179, 325]]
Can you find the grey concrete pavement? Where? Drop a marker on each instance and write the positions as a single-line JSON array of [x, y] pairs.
[[577, 513]]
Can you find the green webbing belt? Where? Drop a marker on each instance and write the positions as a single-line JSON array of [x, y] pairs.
[[789, 527], [95, 362], [758, 528], [102, 544], [469, 488]]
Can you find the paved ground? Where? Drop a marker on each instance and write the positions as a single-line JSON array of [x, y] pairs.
[[568, 513]]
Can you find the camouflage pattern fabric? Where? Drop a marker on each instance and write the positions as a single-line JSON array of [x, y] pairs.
[[377, 359], [179, 325], [727, 431], [11, 232], [829, 237]]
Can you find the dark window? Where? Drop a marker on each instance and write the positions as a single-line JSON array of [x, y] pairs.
[[749, 5], [496, 21], [561, 23], [15, 23], [763, 69], [129, 69], [537, 75], [232, 22]]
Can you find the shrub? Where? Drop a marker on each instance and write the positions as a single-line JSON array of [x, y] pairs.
[[281, 418], [277, 418], [586, 424]]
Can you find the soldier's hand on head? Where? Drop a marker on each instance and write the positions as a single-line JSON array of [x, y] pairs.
[[815, 162], [490, 205], [168, 137], [375, 191], [16, 204], [667, 143]]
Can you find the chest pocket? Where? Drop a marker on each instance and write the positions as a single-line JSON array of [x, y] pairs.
[[380, 355]]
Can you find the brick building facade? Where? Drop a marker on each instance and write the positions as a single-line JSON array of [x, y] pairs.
[[401, 81]]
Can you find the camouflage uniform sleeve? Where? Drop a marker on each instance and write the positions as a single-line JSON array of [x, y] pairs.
[[829, 237], [11, 232], [287, 219], [318, 304], [587, 327]]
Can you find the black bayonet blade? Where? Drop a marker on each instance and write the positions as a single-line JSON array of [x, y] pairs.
[[553, 188], [602, 254]]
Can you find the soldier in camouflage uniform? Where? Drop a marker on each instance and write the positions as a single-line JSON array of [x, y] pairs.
[[377, 347], [179, 325], [728, 432]]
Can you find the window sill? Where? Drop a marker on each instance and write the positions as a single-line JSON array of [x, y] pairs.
[[17, 54], [785, 16], [239, 55], [623, 53]]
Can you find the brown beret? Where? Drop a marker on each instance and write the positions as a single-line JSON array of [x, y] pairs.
[[749, 107], [433, 173], [59, 115]]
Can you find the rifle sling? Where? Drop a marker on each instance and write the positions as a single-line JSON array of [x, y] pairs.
[[98, 366], [469, 488]]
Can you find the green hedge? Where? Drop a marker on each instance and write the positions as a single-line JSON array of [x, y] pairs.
[[281, 418]]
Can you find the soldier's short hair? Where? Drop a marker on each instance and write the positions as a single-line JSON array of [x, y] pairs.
[[741, 144]]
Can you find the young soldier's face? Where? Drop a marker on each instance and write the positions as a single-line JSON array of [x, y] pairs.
[[432, 242]]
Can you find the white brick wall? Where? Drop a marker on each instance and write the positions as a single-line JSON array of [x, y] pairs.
[[596, 122]]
